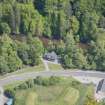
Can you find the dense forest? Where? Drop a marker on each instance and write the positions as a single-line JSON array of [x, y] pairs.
[[75, 30]]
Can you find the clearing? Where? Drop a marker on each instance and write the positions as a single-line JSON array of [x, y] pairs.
[[68, 92]]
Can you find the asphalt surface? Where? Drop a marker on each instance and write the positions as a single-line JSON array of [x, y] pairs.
[[31, 75]]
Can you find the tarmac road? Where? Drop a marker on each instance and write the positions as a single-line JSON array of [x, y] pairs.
[[65, 73]]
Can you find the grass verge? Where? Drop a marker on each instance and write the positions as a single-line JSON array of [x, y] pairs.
[[55, 67], [26, 70], [67, 92]]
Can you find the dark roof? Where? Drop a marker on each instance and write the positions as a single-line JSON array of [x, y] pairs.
[[51, 55], [101, 86]]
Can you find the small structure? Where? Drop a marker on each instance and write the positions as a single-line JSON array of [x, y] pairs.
[[101, 86], [3, 99], [9, 96], [9, 102], [52, 56], [100, 90]]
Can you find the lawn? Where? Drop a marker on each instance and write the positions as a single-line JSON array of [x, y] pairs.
[[31, 98], [72, 96], [61, 94], [53, 95], [58, 67], [26, 69], [55, 67], [84, 92], [40, 67]]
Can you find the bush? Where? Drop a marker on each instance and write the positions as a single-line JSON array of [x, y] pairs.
[[54, 80], [38, 81]]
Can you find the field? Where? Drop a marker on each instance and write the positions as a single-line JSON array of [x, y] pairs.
[[55, 67], [61, 94], [26, 69], [47, 96]]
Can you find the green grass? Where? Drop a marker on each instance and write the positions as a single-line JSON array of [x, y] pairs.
[[82, 95], [63, 93], [30, 69], [14, 84], [84, 92], [52, 95], [31, 98], [55, 67], [58, 67], [72, 96], [26, 69]]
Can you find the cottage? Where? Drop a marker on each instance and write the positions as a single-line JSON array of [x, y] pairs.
[[52, 56], [100, 90]]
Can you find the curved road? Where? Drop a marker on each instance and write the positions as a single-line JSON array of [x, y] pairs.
[[14, 78]]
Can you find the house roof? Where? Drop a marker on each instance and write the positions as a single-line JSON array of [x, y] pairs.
[[101, 86], [51, 54]]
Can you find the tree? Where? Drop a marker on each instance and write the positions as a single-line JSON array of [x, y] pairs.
[[69, 21], [35, 50], [40, 4], [47, 28], [102, 22], [8, 51], [58, 13], [69, 50], [3, 65], [97, 52], [79, 59], [73, 56], [88, 26], [4, 28], [14, 62], [39, 26], [23, 49], [74, 24], [15, 17]]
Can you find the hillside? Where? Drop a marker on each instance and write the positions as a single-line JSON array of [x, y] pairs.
[[74, 29]]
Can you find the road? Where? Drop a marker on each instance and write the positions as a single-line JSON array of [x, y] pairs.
[[21, 77]]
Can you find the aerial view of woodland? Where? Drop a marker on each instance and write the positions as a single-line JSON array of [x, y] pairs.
[[74, 30]]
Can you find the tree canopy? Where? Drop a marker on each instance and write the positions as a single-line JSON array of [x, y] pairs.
[[78, 27]]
